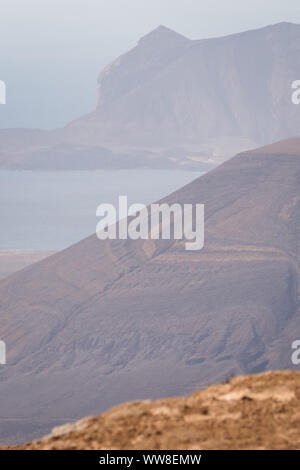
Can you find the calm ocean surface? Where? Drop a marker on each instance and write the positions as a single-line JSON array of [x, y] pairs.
[[52, 210]]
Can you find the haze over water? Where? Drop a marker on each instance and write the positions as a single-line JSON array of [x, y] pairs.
[[52, 210]]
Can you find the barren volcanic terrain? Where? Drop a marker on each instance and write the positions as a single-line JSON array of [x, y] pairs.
[[250, 412], [101, 323]]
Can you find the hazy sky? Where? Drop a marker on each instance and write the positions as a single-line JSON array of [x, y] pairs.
[[51, 51]]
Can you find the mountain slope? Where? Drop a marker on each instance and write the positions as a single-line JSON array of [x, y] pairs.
[[12, 261], [105, 322]]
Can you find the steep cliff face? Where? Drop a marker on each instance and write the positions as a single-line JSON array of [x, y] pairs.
[[174, 102], [154, 52], [170, 90]]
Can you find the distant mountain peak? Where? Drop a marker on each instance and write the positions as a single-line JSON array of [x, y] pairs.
[[162, 33], [283, 24]]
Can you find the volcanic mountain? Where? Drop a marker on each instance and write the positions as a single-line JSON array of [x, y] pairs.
[[176, 102], [103, 322]]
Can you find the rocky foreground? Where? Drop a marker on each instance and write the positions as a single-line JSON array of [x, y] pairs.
[[250, 412]]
